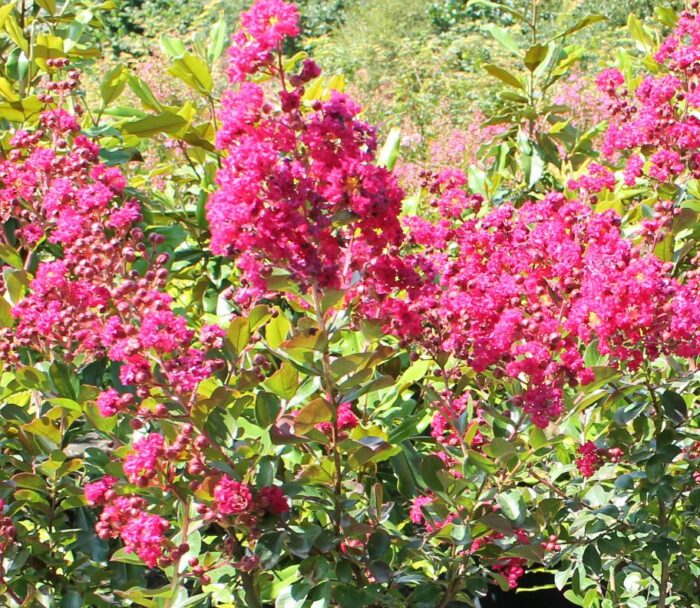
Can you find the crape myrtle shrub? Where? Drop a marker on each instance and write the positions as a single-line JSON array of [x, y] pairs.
[[274, 378]]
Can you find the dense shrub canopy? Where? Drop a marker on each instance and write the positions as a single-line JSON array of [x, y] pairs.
[[257, 351]]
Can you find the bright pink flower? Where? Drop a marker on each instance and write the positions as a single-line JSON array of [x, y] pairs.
[[609, 80], [589, 461], [416, 512], [96, 492], [232, 497], [299, 189], [144, 535], [513, 568], [144, 463], [263, 30], [346, 417]]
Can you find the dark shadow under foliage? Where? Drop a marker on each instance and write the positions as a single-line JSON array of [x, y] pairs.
[[522, 598]]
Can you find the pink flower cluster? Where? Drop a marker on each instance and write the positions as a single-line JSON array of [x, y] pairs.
[[656, 119], [598, 178], [512, 568], [589, 460], [142, 465], [433, 522], [235, 498], [258, 42], [345, 420], [298, 190], [87, 299], [446, 422], [125, 517], [521, 292]]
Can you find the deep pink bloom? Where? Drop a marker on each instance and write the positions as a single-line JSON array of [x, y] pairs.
[[96, 492], [144, 463], [273, 500], [145, 536], [589, 461], [232, 497]]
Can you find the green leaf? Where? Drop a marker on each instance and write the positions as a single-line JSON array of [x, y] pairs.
[[121, 555], [113, 84], [165, 122], [269, 549], [11, 256], [65, 382], [371, 449], [7, 90], [48, 5], [639, 33], [416, 372], [627, 412], [5, 12], [72, 599], [15, 32], [319, 410], [512, 506], [267, 408], [666, 15], [193, 71], [172, 47], [429, 468], [217, 41], [591, 558], [574, 598], [655, 469], [6, 317], [258, 316], [674, 406], [302, 347], [389, 153], [45, 428], [535, 55], [504, 76], [17, 282], [320, 597], [284, 381], [378, 545], [497, 522], [500, 448], [293, 596], [583, 23], [537, 438], [238, 335], [141, 89], [28, 481], [277, 330], [504, 38], [17, 64]]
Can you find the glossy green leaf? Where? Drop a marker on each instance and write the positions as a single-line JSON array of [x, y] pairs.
[[504, 38], [166, 122], [277, 330], [284, 381], [389, 153], [267, 408], [319, 410], [217, 41], [238, 335], [113, 84], [505, 76], [193, 71], [535, 55]]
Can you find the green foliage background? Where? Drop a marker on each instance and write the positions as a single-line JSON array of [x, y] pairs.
[[418, 57]]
